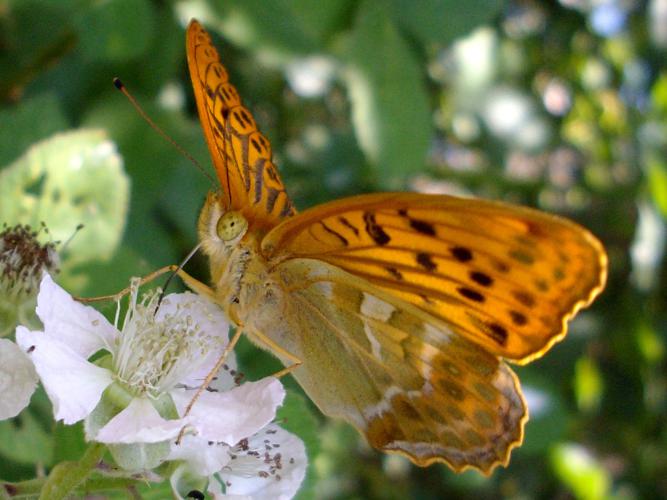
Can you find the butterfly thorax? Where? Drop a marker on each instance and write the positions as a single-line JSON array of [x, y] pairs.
[[239, 273]]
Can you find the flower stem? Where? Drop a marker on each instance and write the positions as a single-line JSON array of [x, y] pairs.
[[30, 489], [66, 476]]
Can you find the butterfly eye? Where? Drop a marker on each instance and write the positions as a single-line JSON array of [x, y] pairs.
[[231, 225]]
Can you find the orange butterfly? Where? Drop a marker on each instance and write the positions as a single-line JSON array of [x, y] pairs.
[[395, 312]]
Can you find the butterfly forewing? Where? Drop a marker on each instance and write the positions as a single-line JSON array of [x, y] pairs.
[[400, 306], [505, 277], [241, 154], [405, 379]]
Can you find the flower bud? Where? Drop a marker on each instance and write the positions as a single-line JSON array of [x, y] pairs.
[[23, 259]]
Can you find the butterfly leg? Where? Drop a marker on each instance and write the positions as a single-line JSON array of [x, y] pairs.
[[192, 283], [211, 375], [276, 349]]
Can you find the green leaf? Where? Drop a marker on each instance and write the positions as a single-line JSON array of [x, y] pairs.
[[24, 440], [95, 278], [116, 30], [588, 384], [548, 418], [70, 179], [69, 442], [33, 36], [442, 21], [151, 162], [580, 472], [287, 26], [659, 94], [33, 120], [656, 172], [650, 343], [389, 102]]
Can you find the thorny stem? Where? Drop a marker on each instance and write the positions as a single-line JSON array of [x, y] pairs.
[[72, 479], [31, 488]]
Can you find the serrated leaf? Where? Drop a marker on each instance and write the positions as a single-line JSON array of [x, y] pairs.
[[70, 179], [389, 102]]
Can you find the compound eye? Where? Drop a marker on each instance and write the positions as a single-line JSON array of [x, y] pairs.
[[231, 225]]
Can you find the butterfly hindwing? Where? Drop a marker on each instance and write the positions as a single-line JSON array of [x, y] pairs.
[[400, 306], [241, 154], [403, 378], [508, 278]]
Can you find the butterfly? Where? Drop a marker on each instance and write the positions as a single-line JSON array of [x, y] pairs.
[[397, 312]]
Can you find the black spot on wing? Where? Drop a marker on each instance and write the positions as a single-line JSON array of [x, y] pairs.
[[377, 234], [481, 278], [418, 225], [498, 333], [521, 256], [395, 273], [541, 285], [348, 225], [525, 298], [272, 172], [422, 227], [500, 266], [288, 208], [259, 180], [245, 117], [470, 294], [462, 254], [271, 197], [257, 146], [425, 260], [340, 237], [518, 318]]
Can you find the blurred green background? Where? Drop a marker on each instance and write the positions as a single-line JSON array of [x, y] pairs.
[[558, 105]]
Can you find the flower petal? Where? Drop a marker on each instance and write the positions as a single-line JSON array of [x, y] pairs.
[[203, 456], [139, 423], [273, 466], [184, 481], [217, 493], [81, 327], [212, 323], [206, 314], [18, 379], [236, 414], [73, 384]]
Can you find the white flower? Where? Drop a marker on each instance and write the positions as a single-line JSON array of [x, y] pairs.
[[138, 393], [154, 353], [269, 464], [18, 379]]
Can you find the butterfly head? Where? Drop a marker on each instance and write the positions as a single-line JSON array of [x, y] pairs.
[[220, 230]]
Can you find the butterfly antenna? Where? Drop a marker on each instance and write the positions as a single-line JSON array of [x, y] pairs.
[[120, 86], [174, 273], [69, 240]]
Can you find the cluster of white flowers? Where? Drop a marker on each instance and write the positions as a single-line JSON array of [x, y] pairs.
[[130, 382]]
